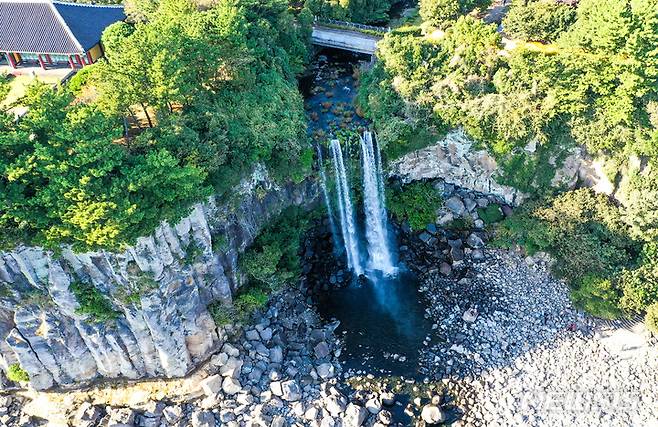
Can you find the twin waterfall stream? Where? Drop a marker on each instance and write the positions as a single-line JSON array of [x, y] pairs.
[[379, 254]]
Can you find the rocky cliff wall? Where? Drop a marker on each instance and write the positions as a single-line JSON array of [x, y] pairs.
[[160, 288], [456, 161]]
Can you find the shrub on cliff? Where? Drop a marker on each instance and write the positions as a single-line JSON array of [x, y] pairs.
[[640, 284], [651, 318], [272, 260], [610, 272], [248, 300], [598, 296], [416, 203], [92, 302], [17, 374]]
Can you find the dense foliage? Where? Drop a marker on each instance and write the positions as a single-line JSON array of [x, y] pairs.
[[610, 272], [416, 203], [273, 260], [595, 87], [438, 13], [270, 263], [538, 20], [184, 104], [363, 11]]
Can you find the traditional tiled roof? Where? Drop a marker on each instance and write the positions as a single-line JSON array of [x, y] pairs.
[[44, 26]]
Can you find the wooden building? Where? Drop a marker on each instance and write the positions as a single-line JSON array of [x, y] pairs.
[[53, 33]]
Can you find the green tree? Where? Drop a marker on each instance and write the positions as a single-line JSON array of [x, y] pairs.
[[538, 20], [65, 178], [438, 13]]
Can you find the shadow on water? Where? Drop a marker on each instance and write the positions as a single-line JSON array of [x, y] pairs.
[[382, 323]]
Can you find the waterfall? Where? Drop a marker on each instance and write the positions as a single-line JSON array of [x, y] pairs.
[[380, 255], [347, 220], [327, 201]]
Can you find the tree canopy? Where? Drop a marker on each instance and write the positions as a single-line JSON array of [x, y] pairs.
[[184, 103], [593, 87], [364, 11]]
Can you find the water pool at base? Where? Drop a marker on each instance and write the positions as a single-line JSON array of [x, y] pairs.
[[382, 324]]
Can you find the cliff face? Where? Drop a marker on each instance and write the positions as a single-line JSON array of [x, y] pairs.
[[454, 160], [160, 289]]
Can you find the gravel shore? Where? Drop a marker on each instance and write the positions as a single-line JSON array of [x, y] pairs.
[[529, 358]]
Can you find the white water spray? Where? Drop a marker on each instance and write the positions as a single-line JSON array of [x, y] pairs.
[[347, 220], [327, 201], [380, 254]]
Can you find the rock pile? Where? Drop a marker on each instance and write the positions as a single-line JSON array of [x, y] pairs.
[[459, 232], [11, 414]]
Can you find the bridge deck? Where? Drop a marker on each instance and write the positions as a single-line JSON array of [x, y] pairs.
[[354, 41]]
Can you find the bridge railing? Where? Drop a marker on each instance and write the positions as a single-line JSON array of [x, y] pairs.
[[351, 26]]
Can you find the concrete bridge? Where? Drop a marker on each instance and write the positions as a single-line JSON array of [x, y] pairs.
[[347, 36]]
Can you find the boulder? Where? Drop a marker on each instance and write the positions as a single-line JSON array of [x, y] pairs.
[[373, 406], [87, 415], [425, 237], [266, 334], [231, 386], [355, 415], [445, 269], [456, 253], [252, 335], [275, 387], [475, 241], [335, 405], [230, 350], [255, 375], [278, 421], [120, 417], [432, 414], [290, 391], [219, 359], [321, 350], [456, 205], [325, 370], [388, 398], [153, 409], [231, 368], [385, 417], [172, 414], [202, 419], [470, 315], [311, 413], [276, 354], [211, 385]]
